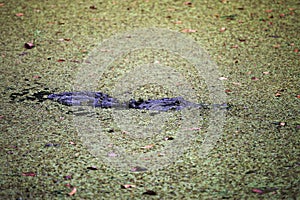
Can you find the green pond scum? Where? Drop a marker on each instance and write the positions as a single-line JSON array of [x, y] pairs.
[[255, 45]]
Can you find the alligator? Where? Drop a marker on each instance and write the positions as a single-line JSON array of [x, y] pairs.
[[102, 100]]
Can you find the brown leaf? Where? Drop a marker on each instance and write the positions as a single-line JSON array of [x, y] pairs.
[[268, 11], [20, 14], [126, 186], [169, 138], [254, 78], [92, 168], [29, 45], [36, 77], [222, 78], [148, 146], [188, 3], [264, 190], [256, 190], [222, 29], [282, 15], [278, 94], [29, 174], [73, 191], [236, 83], [188, 31]]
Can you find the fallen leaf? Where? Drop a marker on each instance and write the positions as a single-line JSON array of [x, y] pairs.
[[298, 96], [126, 186], [228, 91], [138, 169], [148, 146], [29, 45], [265, 73], [235, 46], [92, 168], [254, 78], [188, 3], [222, 29], [268, 11], [73, 191], [2, 4], [20, 14], [281, 15], [296, 50], [36, 77], [278, 94], [282, 124], [188, 31], [61, 60], [222, 78], [29, 174], [256, 190], [178, 22], [236, 83], [265, 190], [168, 138], [279, 124]]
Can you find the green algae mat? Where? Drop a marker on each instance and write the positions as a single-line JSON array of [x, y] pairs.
[[245, 54]]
